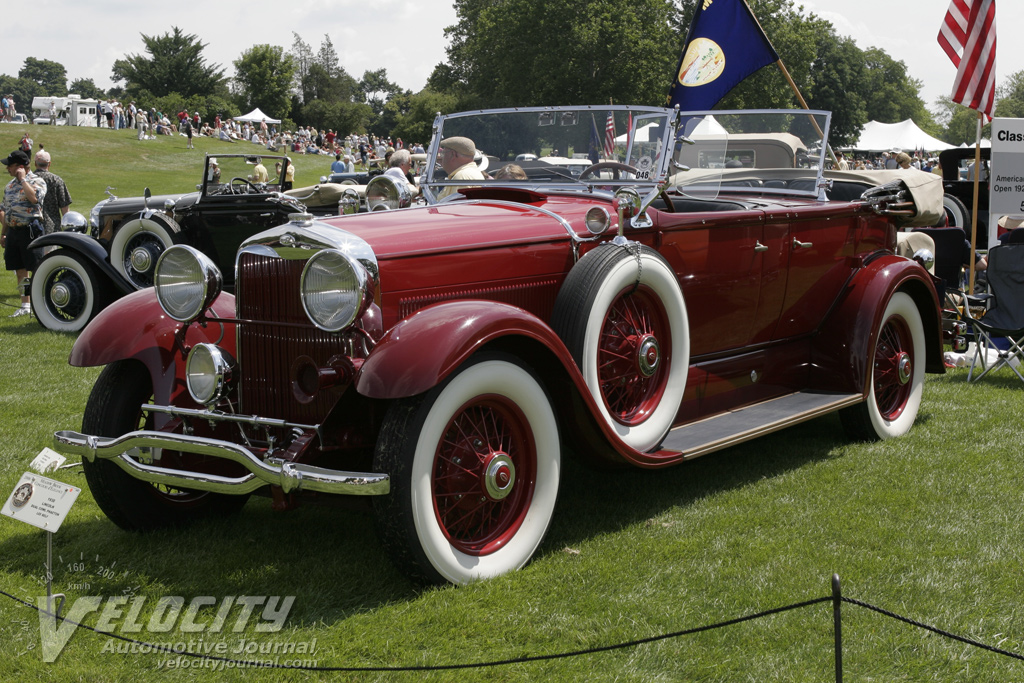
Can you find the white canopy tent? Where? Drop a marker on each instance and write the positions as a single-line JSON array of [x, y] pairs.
[[255, 116], [905, 135]]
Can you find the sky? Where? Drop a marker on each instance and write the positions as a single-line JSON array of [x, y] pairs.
[[406, 37]]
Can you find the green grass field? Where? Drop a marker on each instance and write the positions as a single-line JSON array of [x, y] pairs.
[[927, 526]]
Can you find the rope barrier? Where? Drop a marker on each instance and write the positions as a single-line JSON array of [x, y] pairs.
[[835, 598]]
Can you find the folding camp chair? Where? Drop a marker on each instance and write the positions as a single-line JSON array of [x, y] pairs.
[[1004, 316], [950, 251]]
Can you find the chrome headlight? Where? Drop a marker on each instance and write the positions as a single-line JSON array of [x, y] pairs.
[[186, 282], [207, 373], [598, 220], [335, 290], [387, 193], [73, 221], [94, 215]]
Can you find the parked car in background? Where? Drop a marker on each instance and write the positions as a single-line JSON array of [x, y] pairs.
[[441, 359], [116, 252], [18, 118], [958, 186]]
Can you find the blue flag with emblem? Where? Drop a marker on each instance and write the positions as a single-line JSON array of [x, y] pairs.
[[724, 45]]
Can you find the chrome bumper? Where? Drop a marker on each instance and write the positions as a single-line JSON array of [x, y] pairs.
[[144, 445]]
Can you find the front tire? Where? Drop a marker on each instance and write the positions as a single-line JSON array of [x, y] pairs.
[[474, 466], [114, 409], [66, 293], [621, 315], [897, 376], [957, 214]]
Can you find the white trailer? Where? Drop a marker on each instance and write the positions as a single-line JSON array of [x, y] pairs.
[[71, 110]]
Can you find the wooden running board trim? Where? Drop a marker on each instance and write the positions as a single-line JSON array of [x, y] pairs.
[[743, 424]]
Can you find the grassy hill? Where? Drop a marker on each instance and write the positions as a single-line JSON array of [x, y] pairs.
[[90, 159]]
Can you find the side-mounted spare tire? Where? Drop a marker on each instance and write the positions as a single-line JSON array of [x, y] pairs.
[[138, 243], [622, 316], [66, 291]]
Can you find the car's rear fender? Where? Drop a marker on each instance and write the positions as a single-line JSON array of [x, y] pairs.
[[135, 327], [89, 249], [842, 348]]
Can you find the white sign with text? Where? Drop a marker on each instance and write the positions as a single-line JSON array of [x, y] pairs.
[[41, 502], [1006, 179]]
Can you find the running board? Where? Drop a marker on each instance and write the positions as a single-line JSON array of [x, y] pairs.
[[728, 429]]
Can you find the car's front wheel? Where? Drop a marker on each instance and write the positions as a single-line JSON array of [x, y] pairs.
[[66, 293], [113, 409], [474, 466], [897, 375]]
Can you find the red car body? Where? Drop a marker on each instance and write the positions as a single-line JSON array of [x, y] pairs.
[[763, 311]]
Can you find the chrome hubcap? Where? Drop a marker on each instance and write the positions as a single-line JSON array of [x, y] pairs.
[[60, 295], [905, 368], [648, 355], [141, 259], [499, 476]]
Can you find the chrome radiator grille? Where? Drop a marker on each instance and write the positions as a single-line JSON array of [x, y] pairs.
[[267, 295]]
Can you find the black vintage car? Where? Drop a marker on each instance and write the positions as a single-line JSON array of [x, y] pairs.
[[958, 186], [116, 252]]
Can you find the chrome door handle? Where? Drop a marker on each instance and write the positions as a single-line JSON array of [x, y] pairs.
[[797, 244], [760, 247]]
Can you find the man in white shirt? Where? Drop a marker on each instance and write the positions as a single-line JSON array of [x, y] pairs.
[[457, 160]]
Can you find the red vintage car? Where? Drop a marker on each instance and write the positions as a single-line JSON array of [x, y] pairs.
[[702, 282]]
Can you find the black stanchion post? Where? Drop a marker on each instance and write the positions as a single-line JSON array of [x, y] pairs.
[[837, 601]]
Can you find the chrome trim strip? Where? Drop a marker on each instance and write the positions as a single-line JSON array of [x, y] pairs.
[[275, 472], [219, 416]]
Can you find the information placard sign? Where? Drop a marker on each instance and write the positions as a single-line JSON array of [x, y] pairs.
[[1006, 179], [41, 502]]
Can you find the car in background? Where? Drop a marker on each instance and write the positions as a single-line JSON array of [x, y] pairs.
[[115, 253], [958, 186], [18, 118], [441, 359]]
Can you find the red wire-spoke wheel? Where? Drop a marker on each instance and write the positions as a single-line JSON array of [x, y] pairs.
[[484, 473], [630, 359], [621, 315], [896, 375], [893, 368], [474, 466]]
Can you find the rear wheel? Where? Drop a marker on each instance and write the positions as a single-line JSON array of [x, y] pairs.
[[956, 212], [897, 375], [114, 409], [66, 293], [474, 466]]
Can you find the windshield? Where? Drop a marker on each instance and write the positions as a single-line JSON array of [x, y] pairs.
[[243, 174], [769, 149], [552, 147]]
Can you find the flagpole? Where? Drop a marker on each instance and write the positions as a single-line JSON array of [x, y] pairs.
[[803, 103], [974, 209]]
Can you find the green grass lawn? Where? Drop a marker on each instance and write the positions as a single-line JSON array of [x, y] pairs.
[[927, 526]]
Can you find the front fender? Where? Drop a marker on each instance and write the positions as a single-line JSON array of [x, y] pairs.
[[135, 327], [843, 348], [420, 351], [91, 250]]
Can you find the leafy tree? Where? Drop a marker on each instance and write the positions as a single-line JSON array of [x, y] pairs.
[[960, 124], [263, 78], [86, 88], [415, 120], [302, 57], [889, 93], [52, 77], [534, 52], [1011, 97], [376, 89], [175, 65]]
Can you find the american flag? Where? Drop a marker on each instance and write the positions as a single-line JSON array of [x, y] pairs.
[[968, 36], [609, 136]]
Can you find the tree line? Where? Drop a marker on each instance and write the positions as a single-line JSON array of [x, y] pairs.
[[525, 53]]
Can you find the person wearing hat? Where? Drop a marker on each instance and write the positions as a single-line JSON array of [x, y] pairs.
[[57, 199], [213, 174], [21, 215], [456, 157]]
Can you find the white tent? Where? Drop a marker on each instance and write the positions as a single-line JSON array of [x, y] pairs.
[[905, 135], [255, 116]]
